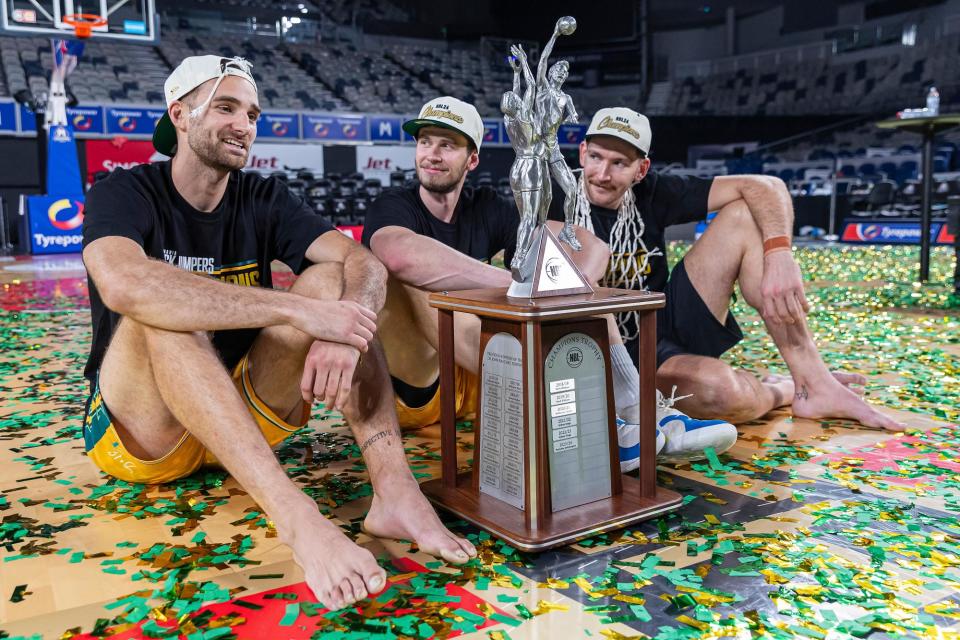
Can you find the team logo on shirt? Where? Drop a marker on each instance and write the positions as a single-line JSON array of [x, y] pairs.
[[245, 274]]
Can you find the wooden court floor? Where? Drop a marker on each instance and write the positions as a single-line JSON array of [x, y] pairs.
[[813, 529]]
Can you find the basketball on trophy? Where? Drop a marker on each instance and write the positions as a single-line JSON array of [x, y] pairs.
[[567, 25]]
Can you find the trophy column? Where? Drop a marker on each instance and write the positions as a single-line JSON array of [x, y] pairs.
[[546, 468]]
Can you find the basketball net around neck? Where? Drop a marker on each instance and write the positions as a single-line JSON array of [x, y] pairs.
[[625, 270]]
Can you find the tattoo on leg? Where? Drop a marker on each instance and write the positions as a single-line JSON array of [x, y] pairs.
[[377, 436], [802, 394]]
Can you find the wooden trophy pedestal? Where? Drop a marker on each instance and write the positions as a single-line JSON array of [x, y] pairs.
[[546, 468]]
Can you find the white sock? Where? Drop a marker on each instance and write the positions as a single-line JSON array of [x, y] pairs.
[[626, 384]]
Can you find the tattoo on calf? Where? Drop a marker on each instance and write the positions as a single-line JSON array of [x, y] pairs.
[[802, 394], [377, 436]]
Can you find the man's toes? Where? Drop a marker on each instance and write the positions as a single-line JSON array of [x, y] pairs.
[[468, 547], [454, 556], [332, 599], [375, 581], [357, 588], [350, 593]]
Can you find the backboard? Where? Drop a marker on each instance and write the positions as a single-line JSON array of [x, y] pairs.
[[131, 21]]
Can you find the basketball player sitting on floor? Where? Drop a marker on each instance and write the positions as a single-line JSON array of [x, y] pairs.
[[748, 243], [196, 359]]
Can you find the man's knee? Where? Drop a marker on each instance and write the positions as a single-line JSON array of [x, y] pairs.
[[133, 334], [736, 215], [323, 281]]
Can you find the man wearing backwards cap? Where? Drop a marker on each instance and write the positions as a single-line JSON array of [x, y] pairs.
[[206, 363], [748, 243], [439, 235]]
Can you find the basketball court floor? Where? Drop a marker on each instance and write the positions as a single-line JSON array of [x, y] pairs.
[[813, 529]]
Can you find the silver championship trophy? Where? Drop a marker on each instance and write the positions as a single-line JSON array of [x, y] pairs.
[[532, 118], [546, 468]]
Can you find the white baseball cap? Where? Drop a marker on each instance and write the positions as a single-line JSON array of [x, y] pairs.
[[449, 113], [190, 74], [623, 123]]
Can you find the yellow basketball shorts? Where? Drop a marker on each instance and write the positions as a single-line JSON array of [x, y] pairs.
[[466, 403], [107, 451]]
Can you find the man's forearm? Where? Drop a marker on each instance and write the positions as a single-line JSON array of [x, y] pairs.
[[429, 264], [163, 296], [771, 207], [364, 279]]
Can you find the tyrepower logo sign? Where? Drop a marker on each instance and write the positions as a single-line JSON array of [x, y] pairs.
[[55, 224], [888, 232], [65, 214]]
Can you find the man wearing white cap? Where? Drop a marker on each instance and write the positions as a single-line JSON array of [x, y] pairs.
[[439, 235], [748, 243], [196, 360]]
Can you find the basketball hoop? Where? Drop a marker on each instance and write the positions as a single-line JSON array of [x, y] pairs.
[[84, 23]]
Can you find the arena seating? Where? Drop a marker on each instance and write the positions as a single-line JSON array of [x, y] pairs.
[[886, 83]]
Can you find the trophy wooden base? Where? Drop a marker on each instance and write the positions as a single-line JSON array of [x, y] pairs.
[[546, 463], [560, 528]]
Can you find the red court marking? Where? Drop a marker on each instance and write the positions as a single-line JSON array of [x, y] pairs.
[[888, 455], [265, 623]]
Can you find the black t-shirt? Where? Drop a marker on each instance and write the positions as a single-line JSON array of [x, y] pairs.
[[259, 220], [483, 224], [662, 201]]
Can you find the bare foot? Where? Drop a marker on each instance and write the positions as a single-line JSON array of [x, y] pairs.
[[784, 383], [781, 387], [338, 571], [834, 399], [406, 514]]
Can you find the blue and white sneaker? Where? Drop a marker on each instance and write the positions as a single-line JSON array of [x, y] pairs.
[[687, 438], [680, 438], [628, 436]]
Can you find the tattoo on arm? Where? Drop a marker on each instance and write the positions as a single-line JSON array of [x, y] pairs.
[[802, 394], [377, 436]]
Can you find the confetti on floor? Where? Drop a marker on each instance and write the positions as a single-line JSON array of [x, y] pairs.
[[811, 529]]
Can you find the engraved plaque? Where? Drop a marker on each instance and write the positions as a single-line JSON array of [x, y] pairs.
[[501, 420], [579, 436]]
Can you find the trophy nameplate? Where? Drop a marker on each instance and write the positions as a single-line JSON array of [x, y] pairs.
[[501, 414], [576, 402]]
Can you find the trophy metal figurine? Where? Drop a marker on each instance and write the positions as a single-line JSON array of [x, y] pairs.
[[532, 121]]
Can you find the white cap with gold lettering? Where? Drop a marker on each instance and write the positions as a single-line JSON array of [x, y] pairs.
[[449, 113], [623, 123]]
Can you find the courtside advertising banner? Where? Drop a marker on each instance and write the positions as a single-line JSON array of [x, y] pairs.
[[279, 125], [491, 131], [107, 155], [891, 233], [85, 119], [266, 158], [338, 128], [385, 129], [8, 117], [55, 224], [380, 161], [123, 121]]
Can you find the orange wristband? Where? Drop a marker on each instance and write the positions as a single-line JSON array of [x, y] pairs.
[[776, 243]]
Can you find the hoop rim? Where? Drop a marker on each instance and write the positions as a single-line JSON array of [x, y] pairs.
[[78, 19]]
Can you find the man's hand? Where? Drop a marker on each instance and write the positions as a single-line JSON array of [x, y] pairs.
[[341, 321], [782, 289], [328, 373]]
